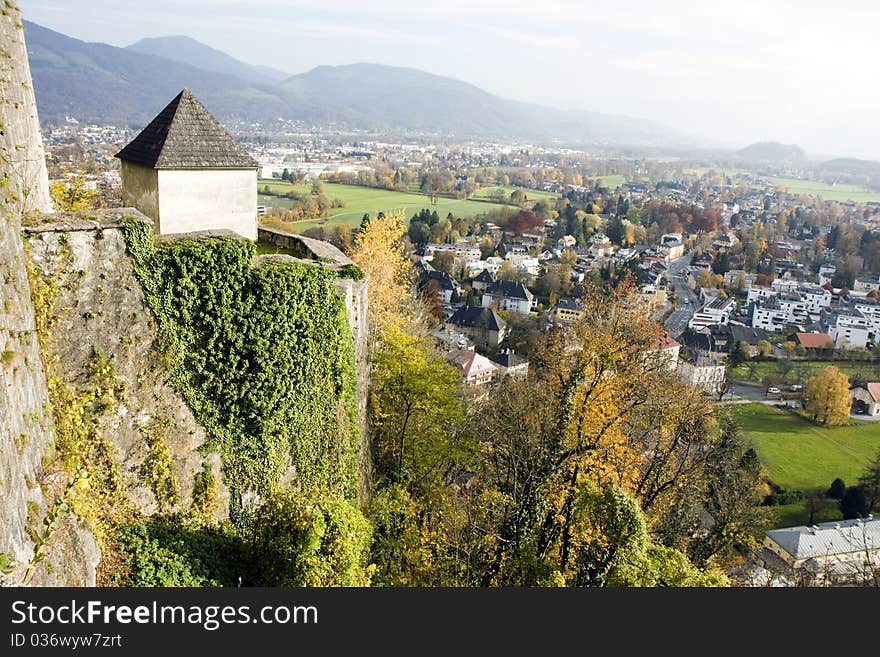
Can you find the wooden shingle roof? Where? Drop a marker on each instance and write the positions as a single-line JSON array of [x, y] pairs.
[[185, 135]]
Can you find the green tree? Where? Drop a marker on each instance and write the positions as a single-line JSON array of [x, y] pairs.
[[414, 408], [735, 491], [301, 539], [853, 503], [869, 482], [837, 489], [737, 354], [616, 230]]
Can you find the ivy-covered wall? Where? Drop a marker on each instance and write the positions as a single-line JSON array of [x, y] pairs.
[[263, 356]]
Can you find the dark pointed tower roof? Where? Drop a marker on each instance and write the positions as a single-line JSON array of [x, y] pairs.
[[185, 135]]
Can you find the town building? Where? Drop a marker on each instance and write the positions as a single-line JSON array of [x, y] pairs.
[[867, 284], [568, 312], [826, 273], [847, 327], [509, 296], [476, 370], [482, 325], [186, 173], [483, 280], [813, 342], [439, 282], [716, 312], [866, 398], [509, 364], [706, 373], [844, 552]]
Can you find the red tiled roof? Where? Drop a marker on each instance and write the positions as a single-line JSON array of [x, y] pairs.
[[665, 342], [813, 340], [873, 389]]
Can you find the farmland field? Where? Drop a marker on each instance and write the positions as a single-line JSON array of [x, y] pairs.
[[531, 194], [365, 200], [827, 192], [612, 182]]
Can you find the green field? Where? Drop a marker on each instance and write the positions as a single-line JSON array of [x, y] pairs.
[[827, 192], [801, 370], [802, 456], [612, 182], [531, 194], [366, 200]]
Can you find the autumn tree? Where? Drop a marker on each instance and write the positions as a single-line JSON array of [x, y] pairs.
[[379, 253], [443, 261], [72, 195], [827, 397]]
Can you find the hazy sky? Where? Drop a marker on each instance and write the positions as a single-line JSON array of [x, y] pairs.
[[800, 71]]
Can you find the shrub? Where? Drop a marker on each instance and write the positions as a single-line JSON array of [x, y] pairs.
[[302, 539], [837, 489]]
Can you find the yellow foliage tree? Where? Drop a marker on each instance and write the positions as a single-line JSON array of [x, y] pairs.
[[379, 253], [72, 195], [827, 395]]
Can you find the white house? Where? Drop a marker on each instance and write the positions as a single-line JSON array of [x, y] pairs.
[[706, 374], [671, 246], [847, 551], [760, 293], [866, 284], [493, 264], [769, 316], [714, 313], [600, 246], [508, 295], [188, 174], [784, 285], [826, 273], [870, 308], [866, 398], [815, 298], [847, 327]]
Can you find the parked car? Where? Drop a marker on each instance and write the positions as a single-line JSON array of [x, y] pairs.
[[773, 391], [796, 387]]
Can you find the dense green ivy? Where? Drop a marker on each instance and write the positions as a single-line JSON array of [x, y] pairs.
[[263, 356]]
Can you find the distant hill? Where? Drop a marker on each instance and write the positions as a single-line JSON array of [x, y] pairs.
[[189, 51], [98, 83], [852, 166], [393, 96], [771, 151], [127, 86]]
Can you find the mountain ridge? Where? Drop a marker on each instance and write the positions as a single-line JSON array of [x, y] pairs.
[[104, 84], [186, 50]]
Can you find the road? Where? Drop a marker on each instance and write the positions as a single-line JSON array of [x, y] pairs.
[[677, 322]]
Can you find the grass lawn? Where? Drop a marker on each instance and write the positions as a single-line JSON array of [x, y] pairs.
[[792, 515], [264, 248], [827, 192], [612, 182], [802, 456], [531, 194], [801, 370], [360, 200]]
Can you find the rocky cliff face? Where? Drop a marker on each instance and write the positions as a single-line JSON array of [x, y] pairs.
[[100, 312], [78, 358], [32, 550]]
